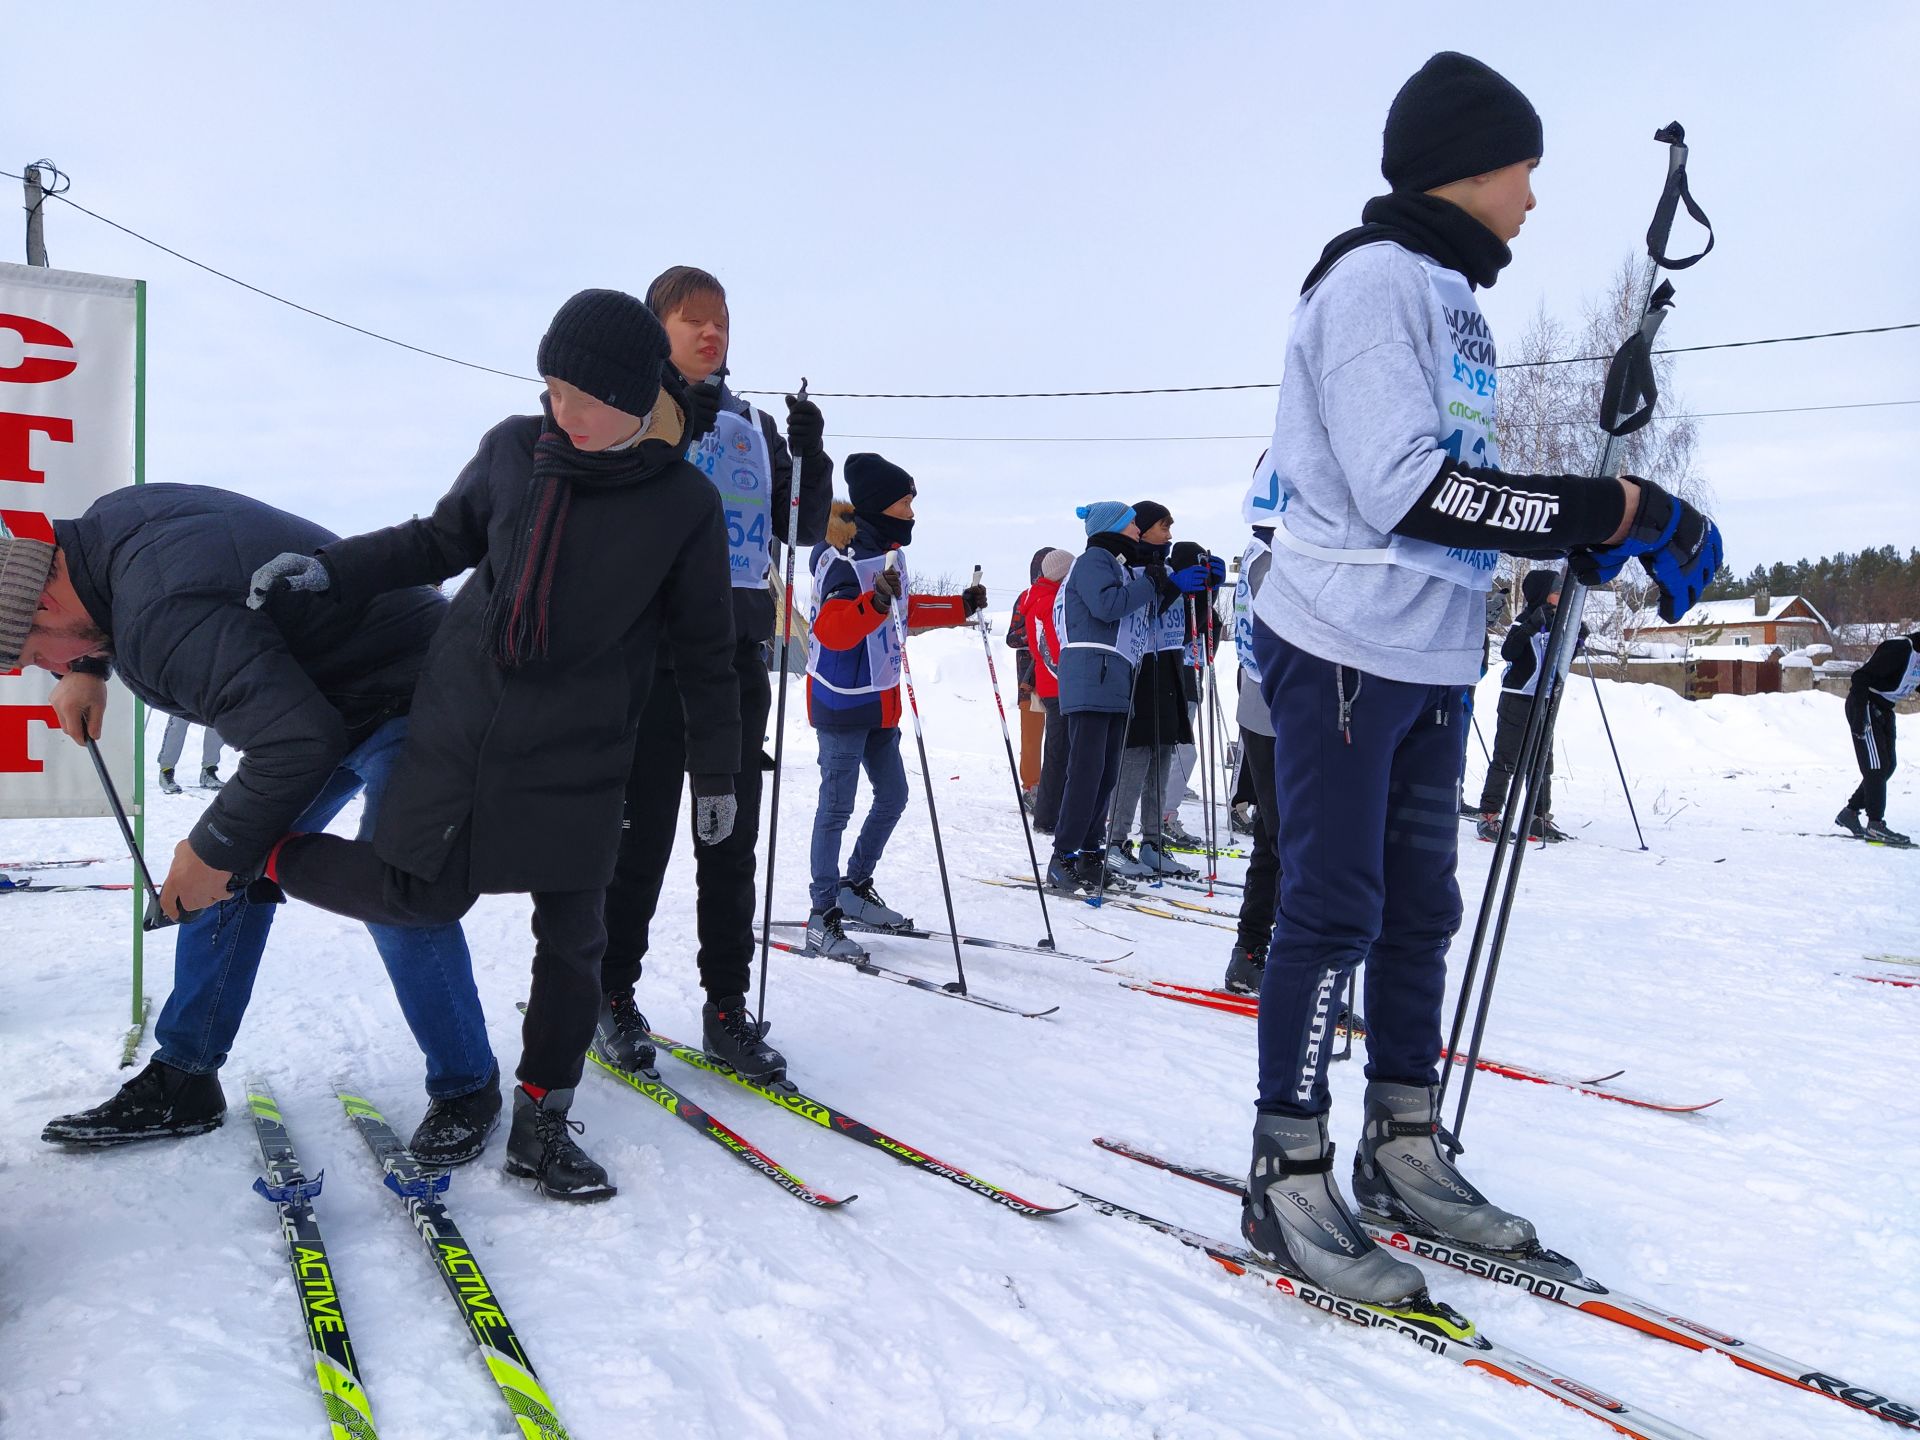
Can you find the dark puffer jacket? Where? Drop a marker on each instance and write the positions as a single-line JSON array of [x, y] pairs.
[[165, 569], [537, 758]]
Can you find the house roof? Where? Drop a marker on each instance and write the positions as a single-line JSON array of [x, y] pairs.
[[1709, 613]]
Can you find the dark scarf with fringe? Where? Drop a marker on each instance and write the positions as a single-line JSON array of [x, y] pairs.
[[516, 627]]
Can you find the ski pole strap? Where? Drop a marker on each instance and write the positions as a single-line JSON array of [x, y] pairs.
[[1632, 389], [294, 1192], [423, 1186], [1676, 194]]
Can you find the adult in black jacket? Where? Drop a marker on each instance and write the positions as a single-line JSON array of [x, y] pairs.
[[1525, 651], [317, 700], [1891, 674], [591, 539], [749, 466]]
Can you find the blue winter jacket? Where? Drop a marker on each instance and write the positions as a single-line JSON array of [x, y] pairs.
[[1094, 598]]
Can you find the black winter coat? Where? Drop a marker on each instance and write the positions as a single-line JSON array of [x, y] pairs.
[[165, 570], [537, 758]]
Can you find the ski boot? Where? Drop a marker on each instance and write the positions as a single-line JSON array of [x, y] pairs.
[[210, 779], [455, 1130], [157, 1103], [1240, 819], [862, 907], [1162, 863], [622, 1035], [1401, 1176], [168, 785], [1063, 875], [1849, 821], [1245, 971], [1123, 862], [1295, 1216], [1095, 873], [826, 935], [1177, 834], [1544, 830], [731, 1035], [540, 1148], [1877, 831], [1489, 827]]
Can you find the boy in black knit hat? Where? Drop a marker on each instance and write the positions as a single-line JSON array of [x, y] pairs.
[[1525, 651], [853, 693], [591, 541], [1388, 513]]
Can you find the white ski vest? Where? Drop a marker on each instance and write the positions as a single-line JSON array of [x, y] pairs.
[[839, 670], [733, 455]]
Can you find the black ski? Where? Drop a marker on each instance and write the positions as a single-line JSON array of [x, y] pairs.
[[349, 1411], [18, 887], [419, 1190]]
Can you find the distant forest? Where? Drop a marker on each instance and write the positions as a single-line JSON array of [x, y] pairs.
[[1872, 587]]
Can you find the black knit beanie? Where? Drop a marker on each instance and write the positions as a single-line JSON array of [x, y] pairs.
[[1149, 513], [1456, 118], [608, 344], [874, 483]]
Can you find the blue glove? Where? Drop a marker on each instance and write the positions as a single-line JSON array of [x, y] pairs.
[[1217, 570], [1190, 580], [1679, 547]]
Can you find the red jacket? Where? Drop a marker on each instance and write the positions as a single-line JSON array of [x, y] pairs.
[[1035, 609]]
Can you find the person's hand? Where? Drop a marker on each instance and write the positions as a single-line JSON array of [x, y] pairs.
[[79, 703], [806, 429], [702, 405], [1189, 579], [886, 590], [1679, 546], [1216, 572], [973, 599], [287, 572], [192, 884]]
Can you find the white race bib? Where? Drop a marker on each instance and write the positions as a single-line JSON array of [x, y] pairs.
[[733, 455]]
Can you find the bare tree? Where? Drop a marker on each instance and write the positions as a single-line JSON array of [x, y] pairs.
[[1549, 425]]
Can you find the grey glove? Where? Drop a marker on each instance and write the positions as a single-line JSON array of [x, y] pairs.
[[287, 572], [713, 818]]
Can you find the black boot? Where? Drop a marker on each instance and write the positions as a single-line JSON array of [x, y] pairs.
[[540, 1147], [454, 1131], [730, 1034], [622, 1035], [158, 1102], [1245, 971], [168, 785]]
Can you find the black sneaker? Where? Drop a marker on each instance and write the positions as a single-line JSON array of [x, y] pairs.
[[1877, 831], [1849, 820], [1063, 875], [157, 1103], [730, 1034], [454, 1131], [541, 1148], [622, 1034], [1245, 971]]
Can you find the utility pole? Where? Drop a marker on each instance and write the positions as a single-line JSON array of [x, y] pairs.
[[36, 231]]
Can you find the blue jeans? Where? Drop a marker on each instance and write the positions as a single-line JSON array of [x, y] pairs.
[[217, 955], [1368, 840], [842, 754]]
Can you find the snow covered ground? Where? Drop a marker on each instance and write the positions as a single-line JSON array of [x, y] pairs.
[[145, 1292]]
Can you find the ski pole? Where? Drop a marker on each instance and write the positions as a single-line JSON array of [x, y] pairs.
[[1599, 705], [780, 716], [926, 775], [1627, 403], [156, 917], [1210, 752], [1113, 801], [1006, 734], [1478, 735]]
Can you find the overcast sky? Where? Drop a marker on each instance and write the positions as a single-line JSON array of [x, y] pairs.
[[964, 197]]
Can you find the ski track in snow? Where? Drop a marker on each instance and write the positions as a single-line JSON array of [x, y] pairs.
[[146, 1292]]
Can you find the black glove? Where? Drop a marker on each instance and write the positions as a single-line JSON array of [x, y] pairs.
[[1539, 618], [287, 572], [973, 599], [702, 404], [886, 590], [806, 428], [1162, 583]]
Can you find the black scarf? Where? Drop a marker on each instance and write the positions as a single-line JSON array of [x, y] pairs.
[[516, 620], [1436, 228], [889, 530], [1114, 543]]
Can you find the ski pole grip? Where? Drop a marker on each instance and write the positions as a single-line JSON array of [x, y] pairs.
[[803, 389]]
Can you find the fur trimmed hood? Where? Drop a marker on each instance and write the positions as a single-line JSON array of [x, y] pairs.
[[840, 526]]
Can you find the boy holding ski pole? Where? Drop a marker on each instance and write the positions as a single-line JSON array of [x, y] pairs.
[[1388, 513], [853, 693], [592, 541], [748, 463], [1525, 651]]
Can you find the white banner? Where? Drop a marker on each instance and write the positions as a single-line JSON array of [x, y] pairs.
[[70, 372]]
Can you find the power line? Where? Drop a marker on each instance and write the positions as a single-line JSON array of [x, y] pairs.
[[1264, 435], [66, 199]]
